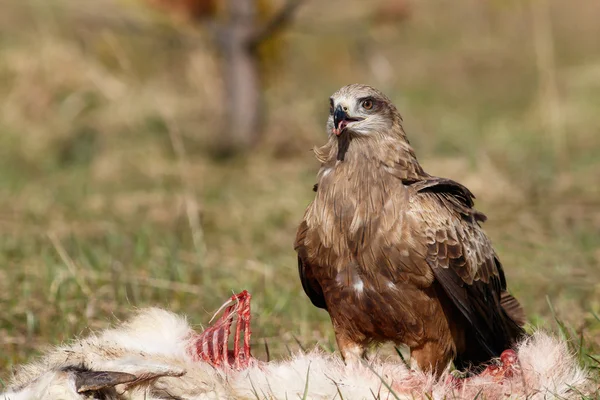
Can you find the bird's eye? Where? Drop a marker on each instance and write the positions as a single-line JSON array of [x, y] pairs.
[[330, 107], [367, 104]]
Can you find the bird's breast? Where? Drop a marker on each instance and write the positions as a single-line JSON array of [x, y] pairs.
[[356, 208], [357, 239]]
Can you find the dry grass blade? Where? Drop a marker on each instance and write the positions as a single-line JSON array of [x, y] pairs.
[[564, 331], [402, 357], [305, 394], [387, 385], [596, 360], [302, 347], [267, 352], [71, 266], [339, 392], [191, 205]]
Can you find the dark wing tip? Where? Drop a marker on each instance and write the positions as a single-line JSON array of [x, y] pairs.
[[512, 308]]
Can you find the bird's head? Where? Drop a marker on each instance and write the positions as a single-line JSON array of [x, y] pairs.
[[360, 110], [362, 113]]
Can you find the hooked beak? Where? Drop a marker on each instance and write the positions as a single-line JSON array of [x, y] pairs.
[[341, 120]]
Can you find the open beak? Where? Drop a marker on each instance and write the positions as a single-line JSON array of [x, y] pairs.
[[341, 120]]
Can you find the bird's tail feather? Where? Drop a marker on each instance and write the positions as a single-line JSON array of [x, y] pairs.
[[476, 356], [512, 308]]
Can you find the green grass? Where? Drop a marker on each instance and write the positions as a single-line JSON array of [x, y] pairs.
[[100, 214]]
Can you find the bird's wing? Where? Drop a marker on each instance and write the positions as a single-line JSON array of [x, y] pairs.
[[311, 286], [462, 259]]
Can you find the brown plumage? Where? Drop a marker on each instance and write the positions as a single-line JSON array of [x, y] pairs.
[[395, 254]]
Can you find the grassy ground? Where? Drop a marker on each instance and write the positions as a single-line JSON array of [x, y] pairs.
[[110, 200]]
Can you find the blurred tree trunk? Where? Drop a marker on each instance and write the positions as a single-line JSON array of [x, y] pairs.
[[238, 39], [243, 108]]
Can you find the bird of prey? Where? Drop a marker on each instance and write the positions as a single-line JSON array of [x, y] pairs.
[[396, 254]]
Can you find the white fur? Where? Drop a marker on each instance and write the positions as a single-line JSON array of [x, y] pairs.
[[154, 347], [153, 331]]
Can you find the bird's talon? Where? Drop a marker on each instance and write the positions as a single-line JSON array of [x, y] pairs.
[[508, 365]]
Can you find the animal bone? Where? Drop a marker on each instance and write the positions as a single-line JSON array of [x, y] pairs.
[[211, 345]]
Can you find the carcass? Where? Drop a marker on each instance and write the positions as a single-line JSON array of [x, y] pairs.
[[157, 355]]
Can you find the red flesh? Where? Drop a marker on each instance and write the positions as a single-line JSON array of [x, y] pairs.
[[211, 345], [507, 367]]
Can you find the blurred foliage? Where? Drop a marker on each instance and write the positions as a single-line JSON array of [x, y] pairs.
[[110, 200]]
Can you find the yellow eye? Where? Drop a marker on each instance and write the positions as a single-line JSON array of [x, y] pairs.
[[367, 104]]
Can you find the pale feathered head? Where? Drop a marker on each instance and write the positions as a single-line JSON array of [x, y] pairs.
[[361, 113], [361, 110]]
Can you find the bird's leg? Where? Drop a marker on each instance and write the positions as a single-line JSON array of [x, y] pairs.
[[211, 345], [352, 352], [432, 356]]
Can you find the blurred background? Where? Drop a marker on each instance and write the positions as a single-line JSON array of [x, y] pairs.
[[158, 152]]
